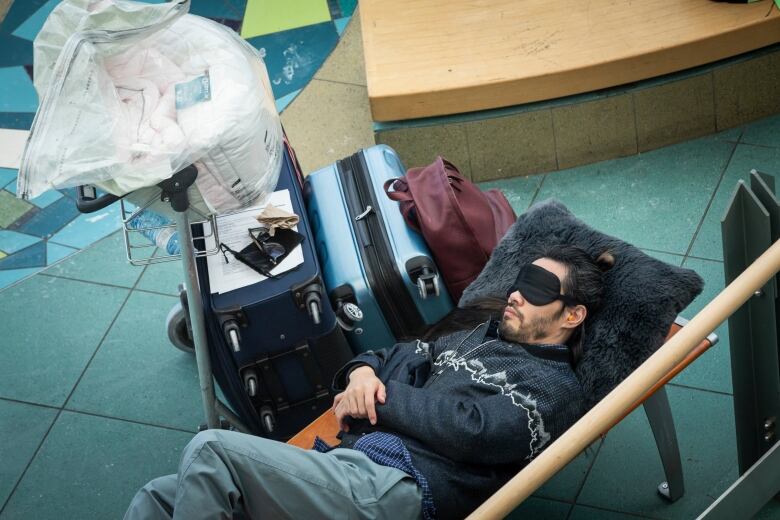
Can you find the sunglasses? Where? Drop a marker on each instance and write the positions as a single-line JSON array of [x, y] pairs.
[[250, 257], [539, 286], [262, 239], [265, 252]]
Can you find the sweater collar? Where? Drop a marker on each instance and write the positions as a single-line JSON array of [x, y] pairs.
[[551, 351]]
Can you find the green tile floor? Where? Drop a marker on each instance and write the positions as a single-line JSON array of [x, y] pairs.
[[94, 401]]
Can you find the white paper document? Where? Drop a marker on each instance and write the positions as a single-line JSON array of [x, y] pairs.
[[234, 233]]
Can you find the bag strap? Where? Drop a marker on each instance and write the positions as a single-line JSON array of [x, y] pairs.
[[397, 195], [404, 196]]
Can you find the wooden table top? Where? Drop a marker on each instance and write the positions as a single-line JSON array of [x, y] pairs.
[[436, 57]]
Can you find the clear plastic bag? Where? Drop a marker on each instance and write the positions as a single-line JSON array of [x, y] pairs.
[[132, 93]]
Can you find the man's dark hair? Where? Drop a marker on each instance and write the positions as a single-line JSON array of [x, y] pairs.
[[584, 281]]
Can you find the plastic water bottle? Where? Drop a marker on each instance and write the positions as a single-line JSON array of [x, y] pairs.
[[165, 238]]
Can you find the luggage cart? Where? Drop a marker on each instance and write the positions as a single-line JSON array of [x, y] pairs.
[[185, 322]]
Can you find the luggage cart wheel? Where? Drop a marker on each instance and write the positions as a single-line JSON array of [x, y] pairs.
[[178, 328]]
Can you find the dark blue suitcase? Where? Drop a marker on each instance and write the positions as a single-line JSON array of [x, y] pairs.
[[279, 378], [379, 273]]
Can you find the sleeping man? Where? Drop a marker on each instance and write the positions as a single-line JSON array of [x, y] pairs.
[[429, 429]]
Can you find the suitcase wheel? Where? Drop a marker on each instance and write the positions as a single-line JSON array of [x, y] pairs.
[[267, 418], [178, 328], [348, 314], [232, 335], [310, 299], [250, 383], [428, 285]]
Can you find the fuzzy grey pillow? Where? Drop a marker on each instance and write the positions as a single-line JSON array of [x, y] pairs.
[[643, 295]]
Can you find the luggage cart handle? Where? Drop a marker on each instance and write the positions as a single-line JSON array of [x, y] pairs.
[[87, 200]]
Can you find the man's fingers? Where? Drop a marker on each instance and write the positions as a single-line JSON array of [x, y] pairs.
[[381, 394], [360, 402], [370, 410], [340, 413], [337, 400]]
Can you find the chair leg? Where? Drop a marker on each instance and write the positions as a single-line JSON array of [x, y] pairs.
[[659, 413]]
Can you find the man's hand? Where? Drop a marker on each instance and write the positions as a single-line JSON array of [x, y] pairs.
[[359, 399]]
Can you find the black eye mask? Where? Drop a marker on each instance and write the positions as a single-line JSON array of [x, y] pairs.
[[539, 286]]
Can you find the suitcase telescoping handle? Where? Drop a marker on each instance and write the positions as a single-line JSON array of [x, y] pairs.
[[88, 201]]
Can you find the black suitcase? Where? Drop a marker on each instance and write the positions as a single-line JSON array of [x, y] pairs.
[[289, 342]]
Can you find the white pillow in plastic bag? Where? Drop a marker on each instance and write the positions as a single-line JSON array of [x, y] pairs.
[[139, 91]]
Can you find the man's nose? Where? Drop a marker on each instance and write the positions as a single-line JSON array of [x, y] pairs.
[[515, 298]]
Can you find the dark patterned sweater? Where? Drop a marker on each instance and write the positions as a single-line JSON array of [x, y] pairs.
[[471, 409]]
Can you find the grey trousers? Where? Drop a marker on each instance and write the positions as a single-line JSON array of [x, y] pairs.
[[222, 473]]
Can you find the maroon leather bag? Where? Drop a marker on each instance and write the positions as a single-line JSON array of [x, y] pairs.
[[461, 223]]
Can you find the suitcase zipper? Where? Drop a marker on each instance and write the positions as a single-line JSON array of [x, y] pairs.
[[384, 279]]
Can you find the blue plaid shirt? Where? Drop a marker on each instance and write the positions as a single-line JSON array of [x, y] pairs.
[[388, 450]]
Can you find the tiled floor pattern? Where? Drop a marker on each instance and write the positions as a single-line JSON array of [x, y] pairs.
[[94, 401], [295, 39]]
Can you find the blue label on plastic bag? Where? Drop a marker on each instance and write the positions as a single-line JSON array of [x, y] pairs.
[[193, 91]]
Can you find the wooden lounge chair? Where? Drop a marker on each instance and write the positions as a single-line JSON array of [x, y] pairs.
[[655, 401]]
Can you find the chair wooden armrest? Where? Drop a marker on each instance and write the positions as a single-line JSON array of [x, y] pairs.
[[326, 426], [695, 353]]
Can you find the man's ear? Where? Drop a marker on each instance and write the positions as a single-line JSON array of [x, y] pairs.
[[574, 316]]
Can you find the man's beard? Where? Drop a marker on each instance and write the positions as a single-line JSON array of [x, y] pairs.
[[526, 331]]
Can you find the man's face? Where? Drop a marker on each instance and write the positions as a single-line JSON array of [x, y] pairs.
[[523, 322]]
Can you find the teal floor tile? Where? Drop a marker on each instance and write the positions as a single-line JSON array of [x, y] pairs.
[[31, 256], [293, 57], [15, 120], [285, 100], [7, 175], [590, 513], [17, 93], [665, 257], [341, 24], [164, 277], [519, 191], [708, 242], [347, 6], [16, 51], [12, 241], [653, 200], [764, 132], [22, 427], [771, 511], [19, 12], [628, 470], [50, 329], [30, 28], [212, 9], [55, 252], [89, 228], [103, 262], [163, 389], [90, 467], [732, 134], [10, 277], [712, 370], [567, 483], [535, 507]]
